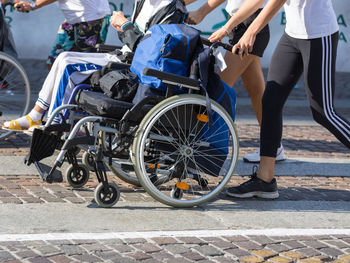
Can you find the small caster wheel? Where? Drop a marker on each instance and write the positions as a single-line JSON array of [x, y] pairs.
[[88, 160], [77, 176], [104, 199], [176, 193], [203, 182]]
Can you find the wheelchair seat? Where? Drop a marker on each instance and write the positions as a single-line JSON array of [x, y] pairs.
[[97, 103]]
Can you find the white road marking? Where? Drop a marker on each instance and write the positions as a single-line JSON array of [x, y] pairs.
[[175, 234]]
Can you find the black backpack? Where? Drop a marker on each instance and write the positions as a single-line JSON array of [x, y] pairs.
[[116, 83]]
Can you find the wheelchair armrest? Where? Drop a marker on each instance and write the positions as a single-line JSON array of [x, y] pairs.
[[173, 79], [117, 65], [106, 48]]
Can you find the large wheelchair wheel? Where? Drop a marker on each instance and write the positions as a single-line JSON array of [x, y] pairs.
[[14, 91], [190, 156]]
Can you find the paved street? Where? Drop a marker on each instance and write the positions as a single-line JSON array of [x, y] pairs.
[[310, 222]]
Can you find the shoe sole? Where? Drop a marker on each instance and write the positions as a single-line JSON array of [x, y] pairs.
[[248, 161], [28, 132], [7, 129], [265, 195]]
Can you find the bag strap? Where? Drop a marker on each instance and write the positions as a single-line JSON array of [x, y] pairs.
[[203, 66]]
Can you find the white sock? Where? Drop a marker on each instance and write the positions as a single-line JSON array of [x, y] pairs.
[[35, 115]]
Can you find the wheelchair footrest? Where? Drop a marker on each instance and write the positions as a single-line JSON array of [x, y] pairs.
[[48, 174], [43, 145]]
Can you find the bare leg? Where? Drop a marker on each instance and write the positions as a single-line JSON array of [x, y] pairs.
[[266, 168], [38, 108], [250, 70], [254, 83], [235, 68]]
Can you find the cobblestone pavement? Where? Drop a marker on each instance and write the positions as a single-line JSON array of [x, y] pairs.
[[31, 189], [223, 249]]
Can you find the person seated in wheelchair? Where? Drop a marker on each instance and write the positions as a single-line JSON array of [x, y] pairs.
[[72, 68]]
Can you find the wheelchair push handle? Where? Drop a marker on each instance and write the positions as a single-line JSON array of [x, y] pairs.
[[4, 5], [7, 4], [214, 45], [10, 3]]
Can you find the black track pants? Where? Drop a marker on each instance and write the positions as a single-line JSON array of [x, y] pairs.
[[316, 59]]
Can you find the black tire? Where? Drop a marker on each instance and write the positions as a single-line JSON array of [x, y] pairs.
[[77, 176], [107, 200], [176, 193], [88, 161]]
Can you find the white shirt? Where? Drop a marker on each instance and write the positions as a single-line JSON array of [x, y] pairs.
[[233, 5], [76, 11], [308, 19], [149, 8]]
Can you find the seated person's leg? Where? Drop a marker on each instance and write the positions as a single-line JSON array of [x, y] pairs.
[[78, 67], [59, 85]]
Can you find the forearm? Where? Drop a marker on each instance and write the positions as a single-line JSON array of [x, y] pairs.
[[130, 36], [268, 12], [248, 8], [41, 3], [187, 2], [210, 6]]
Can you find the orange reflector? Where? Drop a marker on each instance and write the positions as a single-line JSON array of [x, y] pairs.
[[202, 117], [182, 185], [153, 166]]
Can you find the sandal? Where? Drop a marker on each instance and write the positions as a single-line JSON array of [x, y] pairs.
[[14, 125]]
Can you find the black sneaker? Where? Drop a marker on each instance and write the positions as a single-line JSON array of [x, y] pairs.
[[255, 187]]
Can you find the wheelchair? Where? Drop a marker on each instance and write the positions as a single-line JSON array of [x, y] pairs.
[[164, 143]]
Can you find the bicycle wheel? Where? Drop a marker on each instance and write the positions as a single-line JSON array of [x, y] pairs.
[[14, 91], [190, 156]]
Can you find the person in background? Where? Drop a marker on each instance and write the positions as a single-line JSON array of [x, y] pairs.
[[86, 24], [246, 67], [308, 46]]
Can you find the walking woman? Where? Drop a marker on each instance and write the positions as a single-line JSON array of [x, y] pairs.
[[246, 67], [308, 46]]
